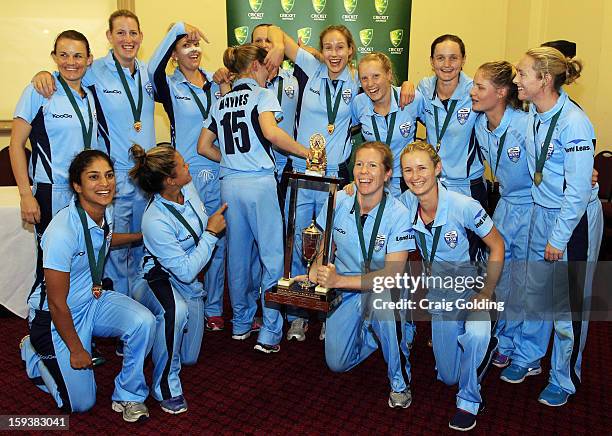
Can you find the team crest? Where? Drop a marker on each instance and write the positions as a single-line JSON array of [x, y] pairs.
[[347, 94], [514, 154], [287, 5], [218, 95], [550, 151], [379, 243], [405, 128], [255, 5], [350, 6], [149, 89], [241, 33], [290, 91], [451, 238], [396, 37], [365, 36], [381, 6], [318, 5], [463, 114], [304, 34]]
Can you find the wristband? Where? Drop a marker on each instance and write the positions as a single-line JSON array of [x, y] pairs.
[[215, 234]]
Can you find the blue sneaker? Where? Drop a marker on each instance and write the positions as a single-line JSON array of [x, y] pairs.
[[462, 421], [174, 405], [516, 374], [553, 396]]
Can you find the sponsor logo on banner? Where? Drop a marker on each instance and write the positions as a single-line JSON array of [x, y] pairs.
[[349, 7], [319, 7], [451, 238], [304, 34], [405, 128], [396, 37], [514, 154], [365, 36], [463, 114], [381, 7], [287, 6], [241, 34], [379, 242], [255, 7], [347, 94]]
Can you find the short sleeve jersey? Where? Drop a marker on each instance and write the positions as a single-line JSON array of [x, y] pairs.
[[285, 87]]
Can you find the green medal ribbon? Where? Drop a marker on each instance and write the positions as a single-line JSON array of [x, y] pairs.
[[184, 222], [136, 109], [502, 140], [279, 91], [541, 159], [332, 113], [96, 268], [390, 125], [203, 111], [367, 257], [87, 131], [449, 114], [429, 260]]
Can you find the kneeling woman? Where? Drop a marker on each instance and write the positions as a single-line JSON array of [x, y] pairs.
[[377, 219], [179, 240], [442, 221], [71, 306]]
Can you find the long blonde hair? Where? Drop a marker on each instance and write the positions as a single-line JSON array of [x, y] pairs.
[[548, 60]]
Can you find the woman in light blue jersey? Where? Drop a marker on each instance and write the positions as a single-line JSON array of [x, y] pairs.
[[566, 225], [244, 123], [72, 304], [501, 131], [458, 297], [179, 240]]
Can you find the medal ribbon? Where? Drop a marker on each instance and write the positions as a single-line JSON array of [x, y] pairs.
[[367, 258], [390, 126], [544, 149], [96, 268], [428, 260], [332, 113], [136, 110], [87, 131], [203, 111], [184, 222], [499, 152], [449, 114], [279, 91]]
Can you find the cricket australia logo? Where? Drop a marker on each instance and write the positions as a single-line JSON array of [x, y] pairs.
[[463, 114], [514, 154], [255, 7], [379, 242], [241, 34], [381, 7], [451, 238], [304, 34], [287, 6], [396, 37], [319, 7], [350, 6], [365, 36], [404, 128], [347, 94]]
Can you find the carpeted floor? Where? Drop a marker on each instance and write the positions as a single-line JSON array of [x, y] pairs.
[[234, 389]]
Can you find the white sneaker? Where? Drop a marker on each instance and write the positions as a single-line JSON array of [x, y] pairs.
[[322, 334], [298, 329], [132, 411]]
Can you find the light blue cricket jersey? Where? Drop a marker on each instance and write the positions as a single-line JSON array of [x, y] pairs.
[[167, 239], [116, 122], [461, 160], [173, 92], [405, 123], [311, 113], [394, 234], [64, 249], [56, 136], [568, 167], [235, 120], [288, 101], [512, 169]]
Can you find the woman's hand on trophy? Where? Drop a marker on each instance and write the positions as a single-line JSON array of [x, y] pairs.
[[327, 276], [350, 189]]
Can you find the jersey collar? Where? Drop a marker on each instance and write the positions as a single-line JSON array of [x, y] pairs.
[[59, 89], [247, 81], [441, 211], [110, 63], [462, 89], [394, 103], [546, 116], [504, 123], [179, 77], [108, 215], [343, 77]]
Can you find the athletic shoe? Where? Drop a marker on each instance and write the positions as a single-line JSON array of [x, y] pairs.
[[174, 405], [400, 399], [500, 360], [553, 396], [298, 329], [516, 374], [255, 327], [322, 334], [462, 421], [119, 348], [214, 324], [265, 348], [132, 411]]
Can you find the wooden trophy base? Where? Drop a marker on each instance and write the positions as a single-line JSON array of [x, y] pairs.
[[290, 292]]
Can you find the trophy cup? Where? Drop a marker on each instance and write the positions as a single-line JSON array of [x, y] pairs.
[[307, 294]]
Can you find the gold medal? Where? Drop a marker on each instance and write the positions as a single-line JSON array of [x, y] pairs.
[[437, 147], [96, 290], [137, 126], [537, 178], [330, 128]]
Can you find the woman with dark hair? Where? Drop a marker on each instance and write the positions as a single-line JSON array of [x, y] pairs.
[[179, 240], [71, 304]]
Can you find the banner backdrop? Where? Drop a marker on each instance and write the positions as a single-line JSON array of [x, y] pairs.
[[376, 25]]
